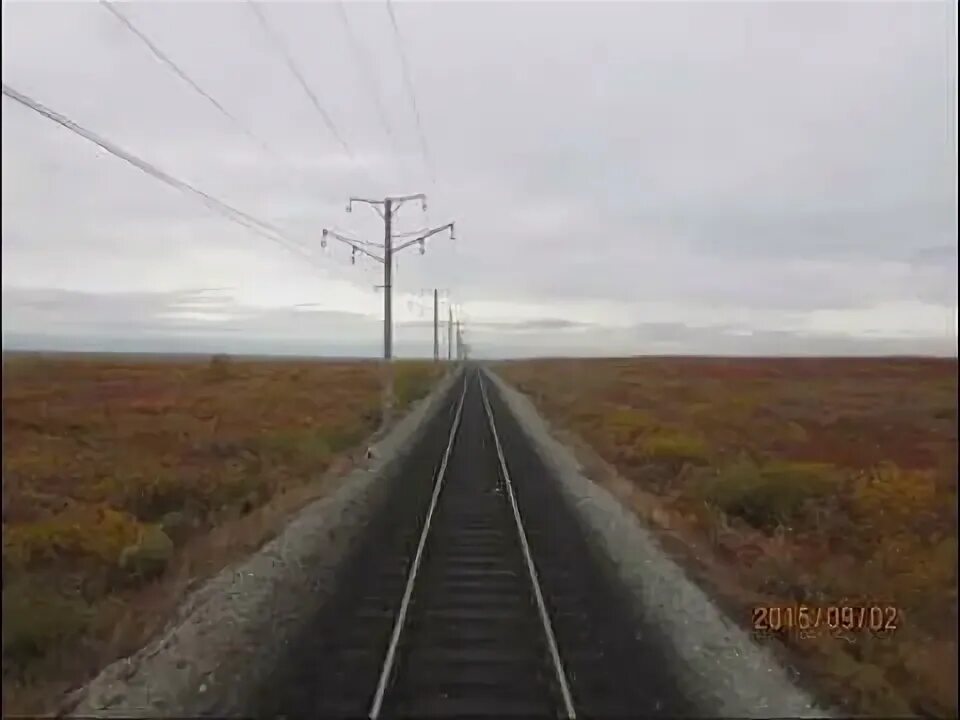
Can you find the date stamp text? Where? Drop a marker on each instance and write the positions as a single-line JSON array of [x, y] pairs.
[[807, 621]]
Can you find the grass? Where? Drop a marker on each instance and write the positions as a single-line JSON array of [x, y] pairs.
[[127, 481], [818, 481]]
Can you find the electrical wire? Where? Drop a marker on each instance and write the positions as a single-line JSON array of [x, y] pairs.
[[281, 47], [408, 84], [163, 57], [179, 72], [369, 76], [264, 229]]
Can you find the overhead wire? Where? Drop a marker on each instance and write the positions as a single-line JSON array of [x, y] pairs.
[[282, 48], [254, 224], [274, 37], [374, 87], [262, 228], [182, 74], [411, 94], [369, 76]]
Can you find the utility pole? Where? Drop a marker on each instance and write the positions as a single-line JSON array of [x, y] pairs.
[[438, 299], [436, 327], [450, 335], [388, 281], [386, 209]]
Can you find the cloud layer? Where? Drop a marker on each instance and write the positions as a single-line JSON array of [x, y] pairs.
[[626, 177]]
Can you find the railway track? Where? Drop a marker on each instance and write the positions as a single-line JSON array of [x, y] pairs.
[[473, 594]]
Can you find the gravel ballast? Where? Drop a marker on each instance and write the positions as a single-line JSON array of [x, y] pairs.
[[720, 667], [232, 630]]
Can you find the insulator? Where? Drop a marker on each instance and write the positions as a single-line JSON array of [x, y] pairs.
[[323, 242], [422, 248]]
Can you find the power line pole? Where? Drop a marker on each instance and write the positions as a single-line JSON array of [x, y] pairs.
[[386, 209], [450, 335], [436, 328], [438, 299], [387, 278]]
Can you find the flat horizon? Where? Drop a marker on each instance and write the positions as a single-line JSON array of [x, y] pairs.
[[370, 358]]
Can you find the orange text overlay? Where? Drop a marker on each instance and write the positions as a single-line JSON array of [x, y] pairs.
[[815, 619]]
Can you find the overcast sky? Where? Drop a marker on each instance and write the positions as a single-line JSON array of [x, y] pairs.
[[625, 178]]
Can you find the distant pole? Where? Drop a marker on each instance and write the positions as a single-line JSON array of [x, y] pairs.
[[450, 335], [459, 352], [436, 327]]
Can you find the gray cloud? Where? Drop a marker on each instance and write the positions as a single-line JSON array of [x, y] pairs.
[[528, 325], [718, 161], [205, 310], [943, 256], [210, 320], [680, 339]]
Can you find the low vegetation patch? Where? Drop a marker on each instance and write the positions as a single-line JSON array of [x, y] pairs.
[[675, 448], [768, 496], [830, 482], [117, 471]]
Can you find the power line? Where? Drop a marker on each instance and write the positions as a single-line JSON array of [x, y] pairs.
[[278, 42], [264, 229], [408, 83], [366, 70], [166, 60], [159, 54], [109, 5]]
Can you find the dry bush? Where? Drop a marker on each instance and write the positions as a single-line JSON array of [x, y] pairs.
[[771, 495], [626, 424], [87, 535], [149, 557], [36, 620], [413, 381], [676, 449], [219, 368], [116, 470], [825, 481]]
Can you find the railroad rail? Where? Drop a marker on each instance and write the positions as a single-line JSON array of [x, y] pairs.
[[472, 595]]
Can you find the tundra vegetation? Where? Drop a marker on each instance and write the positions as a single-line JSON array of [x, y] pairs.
[[127, 481], [789, 482]]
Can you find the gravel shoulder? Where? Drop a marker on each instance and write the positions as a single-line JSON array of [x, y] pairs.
[[720, 666], [229, 632]]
